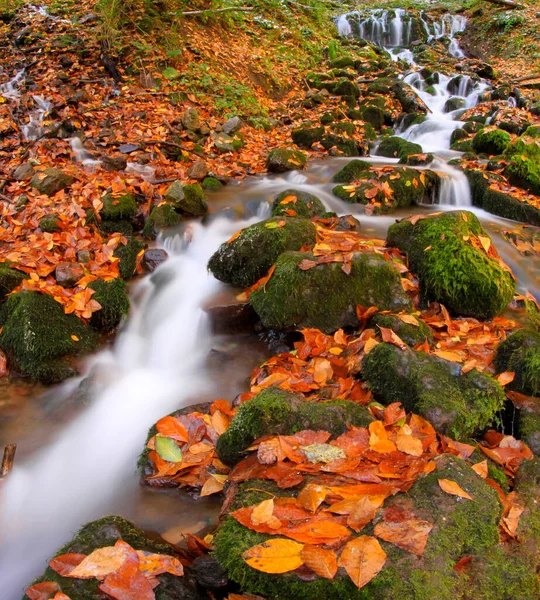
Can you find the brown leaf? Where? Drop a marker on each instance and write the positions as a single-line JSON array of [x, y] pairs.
[[403, 529], [43, 591], [213, 485], [451, 487], [362, 558], [409, 319], [321, 561], [312, 496], [276, 555], [390, 336], [364, 510]]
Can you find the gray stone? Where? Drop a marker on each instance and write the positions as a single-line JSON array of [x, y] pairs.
[[84, 256], [152, 258], [67, 274], [114, 163], [51, 181], [23, 172], [232, 125], [191, 120], [224, 143], [198, 170]]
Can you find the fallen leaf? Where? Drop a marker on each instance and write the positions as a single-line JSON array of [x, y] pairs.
[[451, 487], [363, 511], [262, 512], [64, 564], [362, 558], [403, 529], [369, 345], [390, 336], [277, 555], [485, 241], [101, 562], [128, 582], [506, 377], [43, 591], [168, 449], [407, 443], [321, 561], [481, 468], [312, 496]]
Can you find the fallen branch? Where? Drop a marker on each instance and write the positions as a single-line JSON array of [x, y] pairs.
[[508, 3], [527, 78], [216, 10], [7, 460]]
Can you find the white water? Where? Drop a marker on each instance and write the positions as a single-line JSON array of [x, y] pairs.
[[33, 130], [82, 155], [156, 366], [10, 89]]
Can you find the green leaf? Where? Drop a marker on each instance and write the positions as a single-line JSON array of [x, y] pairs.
[[168, 449], [170, 73], [174, 53]]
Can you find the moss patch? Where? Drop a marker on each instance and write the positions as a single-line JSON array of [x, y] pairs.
[[306, 205], [351, 171], [524, 161], [410, 334], [127, 253], [114, 303], [520, 353], [161, 217], [396, 147], [118, 208], [10, 278]]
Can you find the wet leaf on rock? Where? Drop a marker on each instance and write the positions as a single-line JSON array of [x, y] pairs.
[[362, 558], [168, 449], [277, 555]]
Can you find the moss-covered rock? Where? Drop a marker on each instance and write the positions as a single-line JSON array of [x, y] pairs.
[[10, 278], [246, 259], [105, 532], [187, 199], [51, 181], [451, 269], [118, 208], [36, 334], [351, 171], [523, 168], [396, 147], [345, 87], [305, 137], [50, 223], [112, 296], [325, 296], [281, 160], [162, 216], [127, 253], [274, 411], [110, 227], [456, 404], [211, 184], [374, 115], [306, 205], [410, 334], [491, 142], [520, 353], [460, 528]]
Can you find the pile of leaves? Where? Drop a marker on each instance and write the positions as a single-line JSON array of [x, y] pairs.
[[123, 572], [182, 452]]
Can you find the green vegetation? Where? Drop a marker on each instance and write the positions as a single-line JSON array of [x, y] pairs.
[[114, 302], [520, 353]]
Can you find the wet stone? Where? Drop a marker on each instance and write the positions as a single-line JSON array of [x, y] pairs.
[[67, 274], [198, 170], [23, 172], [84, 256], [208, 573], [234, 318], [152, 258], [232, 125], [114, 163]]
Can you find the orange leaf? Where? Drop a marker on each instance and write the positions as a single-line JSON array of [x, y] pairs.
[[405, 442], [378, 438], [43, 591], [362, 558], [312, 496], [392, 338], [101, 562], [369, 345], [481, 469], [127, 582], [322, 562], [213, 485], [364, 510], [171, 427], [262, 512], [64, 564], [451, 487], [403, 529], [318, 532], [506, 377], [451, 356], [276, 555]]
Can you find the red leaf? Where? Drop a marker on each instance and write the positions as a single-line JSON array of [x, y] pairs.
[[65, 563], [43, 591], [128, 583]]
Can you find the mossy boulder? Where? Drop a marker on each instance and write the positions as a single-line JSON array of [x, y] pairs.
[[211, 184], [523, 154], [305, 137], [187, 199], [306, 205], [460, 528], [105, 532], [351, 171], [520, 353], [10, 278], [118, 208], [281, 160], [324, 296], [127, 253], [456, 404], [346, 87], [110, 227], [409, 333], [162, 216], [450, 268], [274, 411], [51, 181], [246, 259], [343, 145], [112, 296], [491, 142], [37, 335], [50, 223], [396, 147], [342, 62], [374, 115]]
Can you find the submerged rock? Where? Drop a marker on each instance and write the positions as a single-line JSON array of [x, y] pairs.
[[324, 296], [456, 404], [520, 353], [244, 260], [303, 203], [274, 411], [37, 334], [451, 270], [152, 258]]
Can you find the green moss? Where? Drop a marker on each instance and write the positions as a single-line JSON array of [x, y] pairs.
[[306, 205], [410, 334], [342, 62], [520, 353], [246, 259], [98, 534], [51, 181], [351, 171], [274, 411], [451, 270], [50, 223], [110, 227], [373, 115], [491, 142], [457, 405], [305, 137], [523, 167], [127, 254], [161, 217], [36, 333], [281, 160], [114, 303], [187, 199], [211, 184], [396, 147], [324, 296], [118, 208], [10, 278]]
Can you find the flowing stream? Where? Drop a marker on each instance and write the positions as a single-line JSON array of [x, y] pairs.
[[74, 468]]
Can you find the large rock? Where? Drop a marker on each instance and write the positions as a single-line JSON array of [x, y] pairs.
[[162, 217], [188, 199], [325, 296], [37, 334], [451, 270], [520, 353], [456, 404], [112, 295], [51, 181], [305, 137], [396, 147], [302, 203], [118, 208], [244, 260], [281, 160], [524, 160], [10, 278], [354, 169], [274, 411], [127, 253], [491, 142]]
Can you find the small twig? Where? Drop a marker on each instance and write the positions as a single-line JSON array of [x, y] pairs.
[[7, 460]]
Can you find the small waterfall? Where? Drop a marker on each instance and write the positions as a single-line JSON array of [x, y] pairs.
[[147, 172], [82, 155], [343, 26], [33, 130], [10, 89], [455, 189]]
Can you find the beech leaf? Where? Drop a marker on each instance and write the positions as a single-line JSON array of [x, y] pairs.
[[321, 561], [362, 558], [277, 555], [168, 449], [451, 487]]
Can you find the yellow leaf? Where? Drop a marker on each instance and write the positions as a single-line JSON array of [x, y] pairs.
[[74, 338], [481, 469], [506, 377], [369, 345], [485, 241], [276, 555], [262, 512]]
